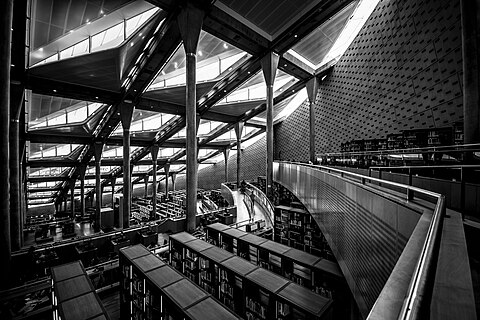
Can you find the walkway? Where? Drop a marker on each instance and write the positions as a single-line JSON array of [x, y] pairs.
[[242, 211]]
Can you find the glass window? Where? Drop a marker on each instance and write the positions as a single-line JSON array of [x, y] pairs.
[[61, 119], [137, 21], [77, 115]]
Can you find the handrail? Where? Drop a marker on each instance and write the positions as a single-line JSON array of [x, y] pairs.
[[265, 202], [451, 148], [454, 166], [411, 308]]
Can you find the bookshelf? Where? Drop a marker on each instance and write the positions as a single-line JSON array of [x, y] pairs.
[[241, 286], [73, 295], [151, 289]]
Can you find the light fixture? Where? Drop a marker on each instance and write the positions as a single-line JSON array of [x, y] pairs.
[[41, 49], [54, 90], [295, 36], [200, 53], [131, 44], [225, 45]]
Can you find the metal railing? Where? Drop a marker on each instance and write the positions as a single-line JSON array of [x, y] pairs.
[[263, 201], [424, 269], [474, 147]]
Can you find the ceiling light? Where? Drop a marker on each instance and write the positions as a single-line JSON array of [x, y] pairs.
[[131, 44], [96, 97], [101, 11], [285, 65], [41, 49], [71, 31], [200, 53], [140, 34], [54, 90], [295, 36], [225, 45], [323, 78]]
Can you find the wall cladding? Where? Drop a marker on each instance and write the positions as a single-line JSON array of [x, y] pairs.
[[292, 135], [403, 71], [253, 162]]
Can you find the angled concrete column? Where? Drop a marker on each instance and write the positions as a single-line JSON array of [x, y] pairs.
[[190, 20], [238, 133], [72, 197], [174, 177], [126, 112], [83, 170], [98, 148], [269, 67], [470, 11], [113, 180], [5, 241], [145, 180], [312, 89], [166, 168], [154, 153], [226, 155]]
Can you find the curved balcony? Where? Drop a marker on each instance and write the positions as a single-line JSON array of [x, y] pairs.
[[394, 248]]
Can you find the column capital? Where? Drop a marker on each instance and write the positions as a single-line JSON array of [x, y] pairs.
[[269, 67], [312, 89]]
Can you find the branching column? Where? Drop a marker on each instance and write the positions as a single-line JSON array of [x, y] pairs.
[[83, 170], [190, 21], [269, 67], [154, 153], [238, 133], [312, 88], [126, 112], [98, 148], [226, 155], [166, 168]]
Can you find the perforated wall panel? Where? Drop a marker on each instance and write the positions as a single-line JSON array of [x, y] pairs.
[[403, 71]]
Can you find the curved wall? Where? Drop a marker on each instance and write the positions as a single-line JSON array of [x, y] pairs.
[[366, 229]]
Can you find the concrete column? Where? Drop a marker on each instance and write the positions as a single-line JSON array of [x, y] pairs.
[[226, 155], [154, 153], [112, 182], [174, 177], [312, 89], [269, 67], [471, 73], [72, 198], [190, 21], [126, 112], [98, 148], [15, 209], [238, 133], [83, 170], [166, 168], [5, 39], [145, 180]]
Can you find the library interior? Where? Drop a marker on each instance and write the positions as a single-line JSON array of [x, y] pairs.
[[239, 159]]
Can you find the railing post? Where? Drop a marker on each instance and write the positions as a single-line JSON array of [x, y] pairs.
[[409, 192], [379, 176]]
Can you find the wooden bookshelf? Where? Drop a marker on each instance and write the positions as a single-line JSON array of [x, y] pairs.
[[73, 295], [151, 289], [243, 287]]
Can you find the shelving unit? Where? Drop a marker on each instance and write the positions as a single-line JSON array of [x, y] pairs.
[[247, 289], [73, 295], [151, 289], [317, 274], [296, 228]]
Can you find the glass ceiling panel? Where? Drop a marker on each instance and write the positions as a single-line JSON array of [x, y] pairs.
[[87, 182], [142, 168], [115, 151], [76, 112], [103, 169], [45, 193], [145, 121], [108, 38], [214, 57], [48, 184], [255, 88], [231, 136], [206, 128], [44, 172], [168, 152], [49, 150], [349, 32]]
